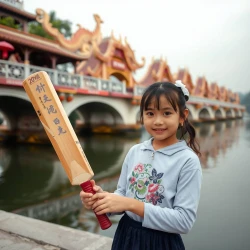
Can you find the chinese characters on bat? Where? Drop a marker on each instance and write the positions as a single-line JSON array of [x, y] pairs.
[[40, 88]]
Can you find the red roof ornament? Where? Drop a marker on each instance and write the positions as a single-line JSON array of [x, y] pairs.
[[5, 47]]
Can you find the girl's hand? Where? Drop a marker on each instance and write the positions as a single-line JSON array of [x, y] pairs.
[[103, 203], [86, 198]]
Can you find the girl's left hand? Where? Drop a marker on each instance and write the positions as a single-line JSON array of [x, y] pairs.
[[109, 203]]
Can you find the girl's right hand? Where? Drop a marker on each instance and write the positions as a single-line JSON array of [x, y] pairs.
[[86, 197]]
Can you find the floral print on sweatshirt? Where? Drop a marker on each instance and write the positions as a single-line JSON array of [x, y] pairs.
[[145, 183]]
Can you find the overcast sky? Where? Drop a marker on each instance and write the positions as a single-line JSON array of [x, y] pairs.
[[209, 37]]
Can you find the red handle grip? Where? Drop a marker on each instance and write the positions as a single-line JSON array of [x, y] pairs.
[[102, 219]]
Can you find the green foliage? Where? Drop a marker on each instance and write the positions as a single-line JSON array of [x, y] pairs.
[[64, 26], [9, 21], [37, 29]]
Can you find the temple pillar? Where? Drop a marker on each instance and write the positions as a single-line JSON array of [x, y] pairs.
[[53, 62], [26, 56], [75, 65], [25, 27]]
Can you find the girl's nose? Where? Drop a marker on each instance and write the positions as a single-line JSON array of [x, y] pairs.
[[158, 120]]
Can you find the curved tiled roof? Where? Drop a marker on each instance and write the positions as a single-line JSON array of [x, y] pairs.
[[93, 62], [201, 87], [106, 50], [214, 91], [223, 94], [158, 70], [18, 37], [148, 77], [185, 77]]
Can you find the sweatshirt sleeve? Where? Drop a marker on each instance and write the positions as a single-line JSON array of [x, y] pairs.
[[181, 217], [121, 186]]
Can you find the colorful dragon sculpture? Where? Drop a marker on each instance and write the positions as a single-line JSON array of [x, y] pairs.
[[81, 41]]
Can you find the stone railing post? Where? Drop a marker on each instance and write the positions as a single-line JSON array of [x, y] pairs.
[[55, 76], [26, 70]]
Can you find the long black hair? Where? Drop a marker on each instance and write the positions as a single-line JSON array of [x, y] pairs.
[[177, 100]]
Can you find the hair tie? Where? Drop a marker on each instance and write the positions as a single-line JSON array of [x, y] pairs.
[[184, 90]]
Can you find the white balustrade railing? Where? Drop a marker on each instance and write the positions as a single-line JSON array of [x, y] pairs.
[[139, 90], [19, 71], [213, 102]]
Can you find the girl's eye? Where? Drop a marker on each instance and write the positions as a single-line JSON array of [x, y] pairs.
[[149, 113], [167, 113]]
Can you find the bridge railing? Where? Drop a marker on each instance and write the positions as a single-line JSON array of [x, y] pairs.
[[213, 102], [19, 71], [138, 91]]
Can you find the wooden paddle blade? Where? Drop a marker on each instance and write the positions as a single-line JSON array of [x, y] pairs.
[[55, 121]]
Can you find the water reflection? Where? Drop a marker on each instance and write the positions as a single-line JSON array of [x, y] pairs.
[[106, 153], [216, 138], [248, 128], [5, 159], [33, 183], [33, 174]]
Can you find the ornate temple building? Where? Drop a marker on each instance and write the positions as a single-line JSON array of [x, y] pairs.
[[214, 91], [185, 77], [201, 87], [223, 94], [157, 71], [112, 59]]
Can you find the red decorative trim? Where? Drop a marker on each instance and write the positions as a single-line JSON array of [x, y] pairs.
[[93, 92], [11, 82]]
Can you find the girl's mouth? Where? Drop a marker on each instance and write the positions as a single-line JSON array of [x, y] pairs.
[[159, 129]]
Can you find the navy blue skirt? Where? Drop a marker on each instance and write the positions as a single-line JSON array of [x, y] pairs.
[[131, 235]]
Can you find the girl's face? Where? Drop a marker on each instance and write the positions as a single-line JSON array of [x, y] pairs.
[[162, 123]]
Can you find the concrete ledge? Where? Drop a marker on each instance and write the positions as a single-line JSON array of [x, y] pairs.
[[36, 234]]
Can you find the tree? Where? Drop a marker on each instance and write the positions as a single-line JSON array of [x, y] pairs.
[[9, 21], [64, 26]]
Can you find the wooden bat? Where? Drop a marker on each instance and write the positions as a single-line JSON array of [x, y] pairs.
[[57, 126]]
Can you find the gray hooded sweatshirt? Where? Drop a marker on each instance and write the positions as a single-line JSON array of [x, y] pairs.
[[167, 180]]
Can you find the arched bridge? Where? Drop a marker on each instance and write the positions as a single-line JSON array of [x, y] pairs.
[[94, 101]]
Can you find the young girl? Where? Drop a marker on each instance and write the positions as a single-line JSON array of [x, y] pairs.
[[159, 186]]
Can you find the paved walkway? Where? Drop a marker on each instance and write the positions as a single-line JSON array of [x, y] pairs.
[[22, 233]]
